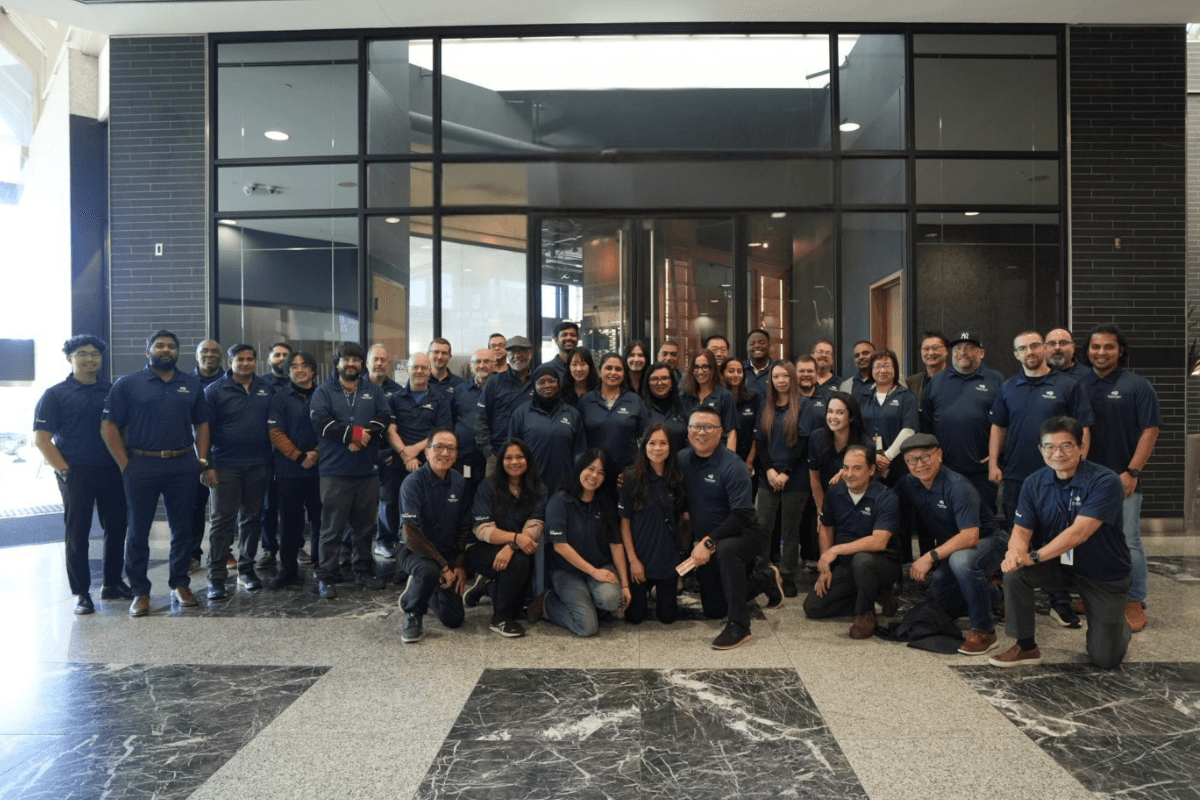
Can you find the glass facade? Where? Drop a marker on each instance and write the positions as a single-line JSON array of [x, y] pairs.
[[649, 184]]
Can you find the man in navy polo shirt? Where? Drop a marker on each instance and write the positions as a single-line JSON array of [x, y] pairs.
[[863, 350], [279, 359], [350, 416], [437, 527], [1128, 419], [956, 409], [391, 467], [471, 462], [1060, 353], [442, 379], [240, 467], [965, 537], [725, 531], [1068, 533], [566, 339], [859, 562], [67, 426], [208, 370], [758, 361], [501, 396], [827, 379], [152, 419]]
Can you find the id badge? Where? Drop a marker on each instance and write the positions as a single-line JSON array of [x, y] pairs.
[[1067, 559], [467, 471]]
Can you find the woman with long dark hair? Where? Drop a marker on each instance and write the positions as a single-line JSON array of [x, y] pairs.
[[510, 516], [827, 445], [747, 405], [701, 387], [636, 360], [613, 416], [588, 568], [660, 393], [581, 376], [783, 452], [651, 504], [889, 412]]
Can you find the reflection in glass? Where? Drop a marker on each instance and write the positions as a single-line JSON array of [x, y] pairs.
[[400, 184], [399, 96], [990, 44], [650, 185], [307, 91], [399, 248], [692, 283], [874, 255], [290, 188], [987, 182], [645, 92], [584, 266], [792, 284], [483, 279], [999, 274], [291, 279], [986, 104], [873, 181], [871, 75]]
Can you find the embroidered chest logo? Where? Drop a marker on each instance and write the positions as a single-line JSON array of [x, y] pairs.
[[710, 478], [865, 511], [623, 410], [428, 406], [453, 498], [747, 412], [183, 390], [895, 401], [1049, 395], [1114, 395], [941, 504], [981, 387], [262, 393], [565, 420], [366, 396], [1075, 501]]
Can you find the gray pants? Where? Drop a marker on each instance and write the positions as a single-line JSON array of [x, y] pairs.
[[354, 501], [855, 586], [237, 500], [1107, 631], [769, 503]]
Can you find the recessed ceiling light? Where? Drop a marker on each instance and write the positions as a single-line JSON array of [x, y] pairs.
[[778, 214], [970, 213], [714, 301], [227, 222], [392, 220], [348, 184], [278, 136], [726, 285], [931, 236], [849, 127]]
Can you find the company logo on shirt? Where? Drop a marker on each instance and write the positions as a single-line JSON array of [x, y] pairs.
[[453, 498], [1049, 395], [710, 478], [981, 387], [895, 401], [1114, 395], [565, 420], [865, 511], [747, 412], [1075, 501], [941, 504], [271, 422], [623, 410], [428, 406], [183, 390], [262, 393]]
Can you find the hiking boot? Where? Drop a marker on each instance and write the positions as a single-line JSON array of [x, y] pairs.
[[863, 627], [1015, 656], [1135, 614], [978, 643]]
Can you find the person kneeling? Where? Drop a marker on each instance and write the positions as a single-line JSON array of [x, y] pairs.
[[858, 564]]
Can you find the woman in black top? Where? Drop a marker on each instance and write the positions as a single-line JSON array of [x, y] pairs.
[[660, 392], [581, 376], [827, 445]]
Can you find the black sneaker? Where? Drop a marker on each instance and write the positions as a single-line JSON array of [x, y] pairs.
[[84, 605], [411, 632], [267, 559], [118, 591], [734, 635], [773, 589], [477, 592], [303, 558], [251, 581], [327, 589], [283, 579], [216, 590], [789, 587], [1064, 615], [368, 581], [508, 628]]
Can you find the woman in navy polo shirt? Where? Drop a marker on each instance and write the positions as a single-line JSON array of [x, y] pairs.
[[651, 504], [783, 453], [635, 363], [827, 445], [581, 376], [588, 567], [660, 393], [889, 412], [613, 416], [700, 386], [747, 405]]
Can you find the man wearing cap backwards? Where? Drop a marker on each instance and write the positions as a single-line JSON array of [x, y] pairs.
[[501, 395], [965, 536], [955, 409]]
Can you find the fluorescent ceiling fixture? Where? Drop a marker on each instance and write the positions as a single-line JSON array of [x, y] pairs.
[[778, 214], [634, 62], [849, 127], [970, 213], [278, 136], [392, 220], [227, 221]]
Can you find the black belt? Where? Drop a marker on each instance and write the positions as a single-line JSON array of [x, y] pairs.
[[162, 453]]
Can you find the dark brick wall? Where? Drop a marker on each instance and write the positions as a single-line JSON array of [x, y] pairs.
[[157, 194], [1193, 232], [1127, 106]]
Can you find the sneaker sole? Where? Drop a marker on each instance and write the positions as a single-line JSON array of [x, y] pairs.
[[506, 634], [995, 662], [1065, 623], [992, 647], [410, 639], [778, 585], [735, 645]]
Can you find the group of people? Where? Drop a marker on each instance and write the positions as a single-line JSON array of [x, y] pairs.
[[585, 486]]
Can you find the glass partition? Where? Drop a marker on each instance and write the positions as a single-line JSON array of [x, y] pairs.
[[871, 93], [793, 285]]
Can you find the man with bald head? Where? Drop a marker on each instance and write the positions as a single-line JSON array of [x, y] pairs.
[[1060, 353]]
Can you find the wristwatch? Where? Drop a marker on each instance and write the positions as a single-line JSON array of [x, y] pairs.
[[203, 463], [1035, 557], [935, 555], [1134, 473], [710, 544]]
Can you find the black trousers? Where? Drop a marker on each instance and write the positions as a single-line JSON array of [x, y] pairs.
[[666, 605], [296, 496], [101, 488], [199, 518], [855, 586], [730, 578], [510, 585]]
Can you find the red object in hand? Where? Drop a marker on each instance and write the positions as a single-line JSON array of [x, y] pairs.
[[357, 435]]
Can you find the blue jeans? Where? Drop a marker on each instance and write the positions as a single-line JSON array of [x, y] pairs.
[[961, 583], [176, 481], [424, 590], [1131, 524], [573, 602]]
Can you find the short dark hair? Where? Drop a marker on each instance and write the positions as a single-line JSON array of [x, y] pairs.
[[562, 326], [284, 345], [868, 453], [1062, 424], [436, 431], [705, 408], [864, 341], [806, 357], [1109, 328], [715, 336], [161, 333], [83, 339], [350, 350], [936, 335], [880, 355], [234, 349], [440, 340], [493, 336], [758, 330], [306, 358]]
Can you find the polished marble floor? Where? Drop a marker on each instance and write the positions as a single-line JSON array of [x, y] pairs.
[[284, 695]]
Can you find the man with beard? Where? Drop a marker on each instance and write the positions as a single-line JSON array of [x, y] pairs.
[[67, 425], [280, 358], [502, 395], [241, 467], [668, 353], [813, 419], [471, 462], [822, 352], [442, 380], [1060, 353], [155, 421], [552, 429], [934, 351], [759, 362], [496, 343], [391, 467], [566, 338], [350, 416], [863, 350], [208, 370]]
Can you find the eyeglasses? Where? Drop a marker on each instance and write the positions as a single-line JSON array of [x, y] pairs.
[[1066, 448], [444, 448], [912, 461], [1058, 343], [703, 428], [661, 379], [702, 368], [1025, 348]]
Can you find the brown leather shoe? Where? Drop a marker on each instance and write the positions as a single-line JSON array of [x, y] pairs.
[[183, 595], [978, 643], [1078, 607], [1135, 613], [863, 627], [140, 606]]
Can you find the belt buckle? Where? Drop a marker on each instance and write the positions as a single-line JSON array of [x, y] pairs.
[[164, 453]]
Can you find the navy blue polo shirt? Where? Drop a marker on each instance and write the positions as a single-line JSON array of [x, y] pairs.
[[511, 519], [571, 521], [334, 413], [816, 441], [720, 398], [747, 421], [417, 416], [438, 506], [205, 380], [501, 395], [71, 411], [554, 436], [1077, 370], [716, 487], [950, 505], [775, 452], [1023, 404], [1048, 506], [653, 527], [758, 381], [614, 430], [290, 413], [277, 381], [154, 414], [898, 411], [877, 510], [389, 388], [857, 384], [1124, 404], [464, 406], [446, 386], [238, 418], [671, 416], [956, 410], [814, 410]]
